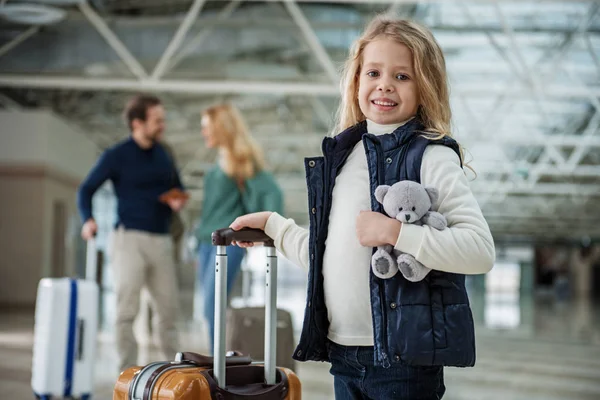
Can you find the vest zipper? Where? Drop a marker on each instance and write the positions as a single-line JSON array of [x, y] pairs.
[[384, 355], [385, 362]]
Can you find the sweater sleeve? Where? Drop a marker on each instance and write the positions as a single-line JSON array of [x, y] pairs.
[[466, 246], [171, 157], [100, 173], [177, 179], [290, 239]]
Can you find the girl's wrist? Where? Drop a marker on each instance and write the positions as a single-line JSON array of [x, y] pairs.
[[267, 216], [392, 232]]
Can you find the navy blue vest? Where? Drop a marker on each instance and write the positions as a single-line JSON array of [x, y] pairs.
[[418, 323]]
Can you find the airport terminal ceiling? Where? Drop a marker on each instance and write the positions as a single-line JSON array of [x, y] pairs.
[[525, 83]]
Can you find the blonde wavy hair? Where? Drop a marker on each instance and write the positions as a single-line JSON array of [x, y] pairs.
[[241, 156], [430, 75]]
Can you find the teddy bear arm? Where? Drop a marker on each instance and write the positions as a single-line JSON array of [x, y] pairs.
[[435, 220]]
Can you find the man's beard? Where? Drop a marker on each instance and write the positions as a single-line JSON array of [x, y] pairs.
[[153, 136]]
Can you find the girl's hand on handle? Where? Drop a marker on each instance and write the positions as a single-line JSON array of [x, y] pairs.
[[255, 220]]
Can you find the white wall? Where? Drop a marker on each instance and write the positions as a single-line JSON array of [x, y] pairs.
[[39, 137], [42, 160], [21, 137]]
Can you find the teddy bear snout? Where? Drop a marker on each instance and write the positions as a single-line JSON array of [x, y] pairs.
[[406, 218]]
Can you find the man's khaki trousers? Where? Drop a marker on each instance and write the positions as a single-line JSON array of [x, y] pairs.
[[144, 259]]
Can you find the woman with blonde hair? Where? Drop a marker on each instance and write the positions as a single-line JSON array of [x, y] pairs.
[[237, 184], [387, 337]]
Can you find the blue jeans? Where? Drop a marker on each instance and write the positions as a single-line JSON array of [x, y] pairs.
[[205, 280], [356, 377]]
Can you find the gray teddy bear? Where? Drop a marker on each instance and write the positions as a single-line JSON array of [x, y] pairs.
[[410, 203]]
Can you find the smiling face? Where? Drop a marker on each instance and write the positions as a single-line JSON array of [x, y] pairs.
[[151, 129], [387, 91]]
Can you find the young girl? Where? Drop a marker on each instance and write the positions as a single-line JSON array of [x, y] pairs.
[[386, 338], [236, 185]]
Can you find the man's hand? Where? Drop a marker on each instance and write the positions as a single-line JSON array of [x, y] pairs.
[[375, 229], [176, 203], [89, 229], [175, 198], [255, 220]]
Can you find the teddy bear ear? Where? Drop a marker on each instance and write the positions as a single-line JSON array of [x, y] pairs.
[[380, 192], [432, 193]]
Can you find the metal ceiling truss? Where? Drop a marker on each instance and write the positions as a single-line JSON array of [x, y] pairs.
[[524, 188], [552, 162], [19, 39]]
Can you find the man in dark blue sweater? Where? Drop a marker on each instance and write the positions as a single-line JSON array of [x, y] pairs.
[[141, 171]]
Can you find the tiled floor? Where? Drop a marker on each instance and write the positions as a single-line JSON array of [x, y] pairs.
[[529, 348]]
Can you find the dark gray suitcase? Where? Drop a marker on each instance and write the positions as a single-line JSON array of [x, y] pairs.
[[246, 330]]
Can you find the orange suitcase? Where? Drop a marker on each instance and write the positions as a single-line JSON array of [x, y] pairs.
[[197, 377]]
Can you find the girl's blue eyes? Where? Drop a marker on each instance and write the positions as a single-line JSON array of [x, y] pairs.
[[400, 77]]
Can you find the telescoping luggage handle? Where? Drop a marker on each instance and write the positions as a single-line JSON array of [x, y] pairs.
[[91, 260], [223, 238], [91, 271]]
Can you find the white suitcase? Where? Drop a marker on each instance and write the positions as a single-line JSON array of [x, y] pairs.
[[66, 323]]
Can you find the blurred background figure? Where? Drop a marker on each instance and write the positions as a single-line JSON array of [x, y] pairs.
[[236, 185], [147, 317], [140, 170]]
